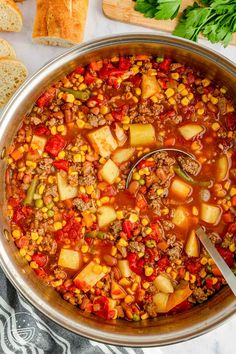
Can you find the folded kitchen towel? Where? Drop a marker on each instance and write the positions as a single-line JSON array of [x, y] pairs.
[[24, 330]]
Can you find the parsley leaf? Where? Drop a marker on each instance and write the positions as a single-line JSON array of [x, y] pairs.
[[158, 9]]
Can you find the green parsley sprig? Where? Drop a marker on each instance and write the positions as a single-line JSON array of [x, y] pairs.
[[158, 9]]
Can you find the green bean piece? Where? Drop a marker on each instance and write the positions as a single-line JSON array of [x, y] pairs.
[[30, 192], [81, 95], [189, 179]]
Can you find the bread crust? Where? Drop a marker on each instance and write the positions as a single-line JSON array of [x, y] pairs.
[[62, 19]]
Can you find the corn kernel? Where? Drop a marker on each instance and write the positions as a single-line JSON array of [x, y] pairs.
[[28, 257], [202, 273], [145, 316], [146, 285], [97, 269], [165, 211], [34, 236], [168, 269], [190, 96], [41, 188], [129, 299], [126, 126], [39, 240], [53, 130], [175, 76], [214, 100], [138, 91], [34, 265], [148, 231], [185, 101], [186, 277], [172, 101], [56, 283], [89, 189], [82, 87], [57, 225], [192, 278], [184, 92], [205, 82], [178, 261], [23, 252], [133, 218], [145, 222], [181, 87], [84, 249], [205, 98], [214, 280], [223, 90], [77, 158], [126, 120], [148, 271], [200, 111], [195, 146], [113, 251], [61, 128], [232, 247], [154, 99], [211, 261], [122, 242], [80, 123], [31, 164], [104, 110], [60, 95], [232, 191], [104, 200], [159, 191], [136, 176], [169, 92], [98, 203], [16, 233], [215, 126], [204, 261], [124, 282], [135, 99], [195, 211]]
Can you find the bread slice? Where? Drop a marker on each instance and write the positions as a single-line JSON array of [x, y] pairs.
[[10, 16], [60, 23], [12, 74], [6, 50]]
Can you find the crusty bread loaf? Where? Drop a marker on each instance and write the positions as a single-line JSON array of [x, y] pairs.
[[6, 50], [10, 16], [12, 74], [60, 22]]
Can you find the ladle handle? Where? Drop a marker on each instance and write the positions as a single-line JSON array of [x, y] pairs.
[[219, 261]]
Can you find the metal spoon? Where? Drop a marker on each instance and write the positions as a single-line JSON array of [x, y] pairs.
[[143, 157], [219, 261]]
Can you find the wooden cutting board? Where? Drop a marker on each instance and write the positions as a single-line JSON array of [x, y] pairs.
[[123, 10]]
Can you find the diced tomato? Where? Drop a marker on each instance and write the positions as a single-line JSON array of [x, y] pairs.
[[183, 306], [22, 242], [62, 165], [21, 213], [193, 266], [209, 283], [40, 272], [40, 258], [165, 64], [102, 303], [71, 230], [141, 202], [89, 78], [163, 82], [136, 80], [124, 63], [109, 191], [13, 202], [233, 201], [216, 271], [169, 142], [55, 144], [127, 228], [227, 255], [136, 264], [230, 121], [41, 129], [146, 163], [79, 70], [46, 98], [163, 263], [191, 78], [228, 217], [232, 228], [112, 81], [119, 113]]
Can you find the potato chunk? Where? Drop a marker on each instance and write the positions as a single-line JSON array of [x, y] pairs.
[[106, 215], [163, 284], [65, 190], [117, 292], [222, 167], [189, 131], [122, 155], [178, 296], [38, 143], [89, 276], [180, 189], [161, 300], [142, 134], [69, 259], [192, 247], [181, 217], [210, 213], [149, 86], [110, 172], [125, 270], [103, 141]]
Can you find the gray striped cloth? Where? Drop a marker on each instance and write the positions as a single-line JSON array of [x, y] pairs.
[[24, 330]]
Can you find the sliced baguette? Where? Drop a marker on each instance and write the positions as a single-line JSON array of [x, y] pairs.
[[60, 23], [10, 16], [6, 50], [12, 74]]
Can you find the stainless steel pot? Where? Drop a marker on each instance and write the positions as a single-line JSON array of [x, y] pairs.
[[163, 330]]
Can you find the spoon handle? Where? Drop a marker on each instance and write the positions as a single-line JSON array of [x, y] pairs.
[[219, 261]]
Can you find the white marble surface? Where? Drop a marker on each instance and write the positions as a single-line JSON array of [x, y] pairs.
[[220, 341]]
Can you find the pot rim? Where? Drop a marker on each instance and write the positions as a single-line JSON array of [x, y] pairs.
[[16, 277]]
